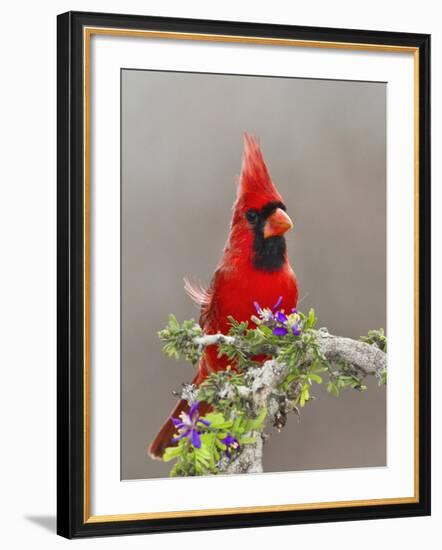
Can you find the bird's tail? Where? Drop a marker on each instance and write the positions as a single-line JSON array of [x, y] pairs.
[[164, 437]]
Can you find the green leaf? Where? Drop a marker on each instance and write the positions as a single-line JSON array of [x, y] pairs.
[[173, 322], [332, 388], [202, 452], [171, 452], [265, 331], [258, 421], [220, 445], [223, 391], [247, 440], [217, 420], [382, 378]]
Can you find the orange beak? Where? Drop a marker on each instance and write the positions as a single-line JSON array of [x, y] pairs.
[[277, 224]]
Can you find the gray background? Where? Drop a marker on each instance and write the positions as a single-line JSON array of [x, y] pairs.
[[324, 143]]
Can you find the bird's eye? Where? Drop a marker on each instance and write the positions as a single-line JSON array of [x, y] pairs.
[[251, 216]]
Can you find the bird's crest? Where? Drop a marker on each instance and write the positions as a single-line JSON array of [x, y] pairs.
[[255, 184]]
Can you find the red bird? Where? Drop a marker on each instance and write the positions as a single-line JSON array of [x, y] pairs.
[[254, 268]]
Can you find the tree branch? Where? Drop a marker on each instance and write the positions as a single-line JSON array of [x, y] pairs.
[[368, 359], [263, 387]]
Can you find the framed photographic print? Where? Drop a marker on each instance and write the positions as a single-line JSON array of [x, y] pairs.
[[243, 274]]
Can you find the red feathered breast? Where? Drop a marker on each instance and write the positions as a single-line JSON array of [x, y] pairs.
[[234, 292]]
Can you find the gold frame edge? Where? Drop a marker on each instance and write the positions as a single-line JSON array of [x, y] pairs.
[[87, 33]]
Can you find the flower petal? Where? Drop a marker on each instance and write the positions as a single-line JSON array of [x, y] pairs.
[[177, 422], [281, 317], [193, 409], [278, 303], [267, 316], [195, 439], [178, 437], [279, 331], [296, 330], [228, 440], [203, 421], [257, 307]]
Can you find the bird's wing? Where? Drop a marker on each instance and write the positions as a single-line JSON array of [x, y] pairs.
[[207, 299], [196, 291], [209, 318]]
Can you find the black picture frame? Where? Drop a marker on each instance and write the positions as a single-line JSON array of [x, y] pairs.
[[72, 519]]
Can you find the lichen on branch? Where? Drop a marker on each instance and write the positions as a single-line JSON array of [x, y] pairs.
[[248, 396]]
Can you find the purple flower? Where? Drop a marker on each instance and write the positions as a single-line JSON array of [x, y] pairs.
[[266, 315], [189, 425], [281, 328], [281, 317], [280, 331], [231, 443], [280, 323], [278, 303]]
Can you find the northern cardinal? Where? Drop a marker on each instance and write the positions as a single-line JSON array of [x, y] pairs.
[[254, 268]]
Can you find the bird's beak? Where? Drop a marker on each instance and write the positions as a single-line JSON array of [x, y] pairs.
[[277, 224]]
